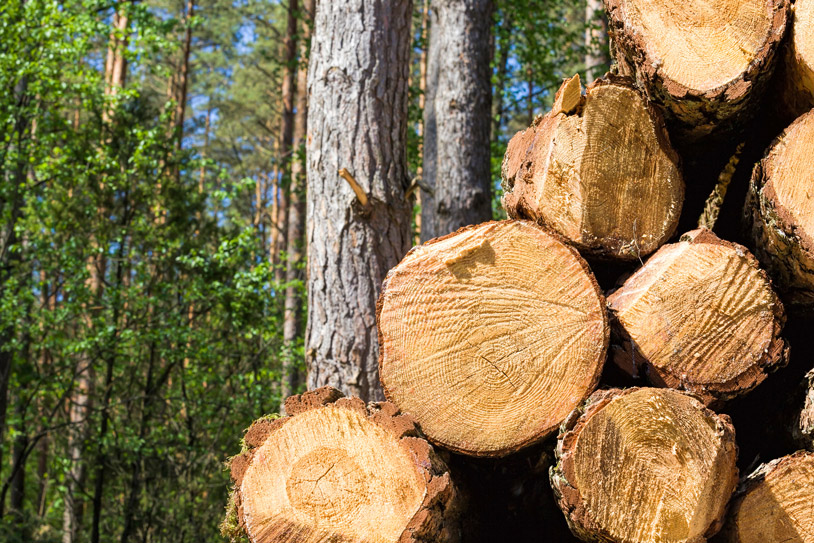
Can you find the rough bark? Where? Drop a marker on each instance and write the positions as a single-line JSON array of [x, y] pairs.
[[599, 170], [359, 224], [701, 316], [673, 467], [596, 40], [779, 211], [378, 479], [296, 211], [487, 357], [462, 102], [774, 503], [668, 49]]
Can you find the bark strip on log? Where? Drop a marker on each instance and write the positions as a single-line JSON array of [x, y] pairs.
[[780, 209], [700, 315], [599, 170], [644, 465], [773, 504], [490, 336], [706, 62], [337, 470]]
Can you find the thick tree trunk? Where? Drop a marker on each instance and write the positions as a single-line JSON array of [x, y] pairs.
[[670, 49], [352, 473], [774, 503], [296, 212], [779, 209], [598, 169], [462, 104], [488, 358], [700, 316], [673, 467], [358, 223], [596, 40]]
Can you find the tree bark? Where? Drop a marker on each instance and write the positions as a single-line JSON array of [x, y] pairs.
[[673, 467], [429, 140], [668, 49], [599, 170], [471, 344], [596, 40], [358, 223], [681, 325], [462, 104], [377, 479], [779, 210], [296, 211]]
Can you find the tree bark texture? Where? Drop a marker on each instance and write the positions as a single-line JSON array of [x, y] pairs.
[[296, 210], [459, 66], [359, 229]]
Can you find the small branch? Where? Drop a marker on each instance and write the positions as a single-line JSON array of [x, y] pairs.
[[357, 189]]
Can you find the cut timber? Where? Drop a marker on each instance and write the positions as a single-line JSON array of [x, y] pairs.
[[804, 431], [644, 465], [706, 61], [599, 170], [798, 61], [490, 336], [700, 315], [774, 504], [780, 209], [335, 470]]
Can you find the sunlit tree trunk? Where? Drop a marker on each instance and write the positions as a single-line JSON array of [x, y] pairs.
[[357, 217]]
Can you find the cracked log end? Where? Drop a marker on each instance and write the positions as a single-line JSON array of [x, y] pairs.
[[700, 315], [337, 470], [599, 170], [644, 465], [490, 336], [774, 503], [705, 62], [780, 208]]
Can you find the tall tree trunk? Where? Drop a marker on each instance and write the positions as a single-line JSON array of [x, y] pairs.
[[596, 40], [183, 79], [296, 210], [82, 400], [462, 104], [422, 101], [286, 131], [358, 219], [429, 147]]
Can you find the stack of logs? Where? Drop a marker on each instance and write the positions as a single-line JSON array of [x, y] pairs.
[[632, 205]]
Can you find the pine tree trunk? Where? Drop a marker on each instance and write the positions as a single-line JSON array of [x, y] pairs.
[[296, 212], [377, 479], [429, 145], [596, 40], [673, 467], [358, 222], [669, 48], [462, 104]]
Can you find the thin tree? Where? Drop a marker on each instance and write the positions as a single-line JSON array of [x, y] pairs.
[[457, 117], [357, 214], [296, 208], [596, 40]]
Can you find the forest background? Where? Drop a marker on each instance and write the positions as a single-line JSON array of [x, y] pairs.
[[152, 239]]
